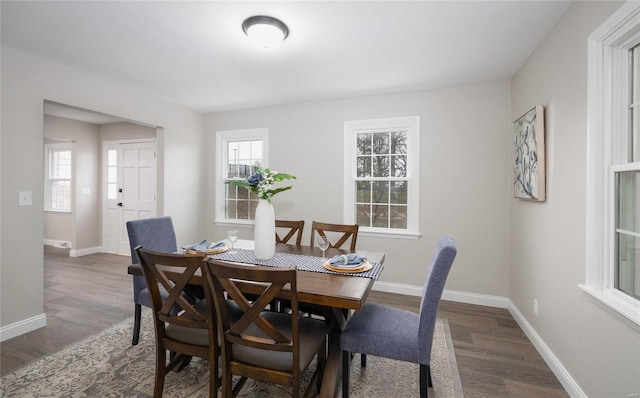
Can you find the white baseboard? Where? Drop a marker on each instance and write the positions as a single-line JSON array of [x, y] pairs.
[[23, 326], [569, 384], [63, 244], [449, 295], [84, 252]]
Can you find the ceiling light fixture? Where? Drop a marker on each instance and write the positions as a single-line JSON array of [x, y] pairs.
[[265, 32]]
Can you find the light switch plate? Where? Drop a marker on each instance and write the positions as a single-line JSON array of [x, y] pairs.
[[24, 198]]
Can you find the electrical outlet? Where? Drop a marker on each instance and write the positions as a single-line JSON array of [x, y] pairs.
[[535, 306]]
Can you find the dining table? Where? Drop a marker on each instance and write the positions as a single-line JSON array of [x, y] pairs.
[[338, 293]]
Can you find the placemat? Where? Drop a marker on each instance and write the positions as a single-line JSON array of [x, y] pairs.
[[302, 261]]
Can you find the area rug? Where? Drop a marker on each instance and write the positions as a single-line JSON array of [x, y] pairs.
[[107, 365]]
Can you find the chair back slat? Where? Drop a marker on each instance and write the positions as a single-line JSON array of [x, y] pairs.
[[226, 277], [347, 231], [295, 229], [172, 272]]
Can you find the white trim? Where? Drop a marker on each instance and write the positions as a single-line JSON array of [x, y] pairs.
[[615, 302], [388, 234], [412, 125], [558, 369], [24, 326], [62, 244], [222, 137], [85, 251], [448, 295], [607, 82]]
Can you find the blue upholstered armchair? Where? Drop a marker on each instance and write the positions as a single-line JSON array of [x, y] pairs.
[[397, 334], [153, 234]]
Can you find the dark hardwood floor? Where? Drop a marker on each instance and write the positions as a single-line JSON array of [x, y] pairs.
[[85, 295]]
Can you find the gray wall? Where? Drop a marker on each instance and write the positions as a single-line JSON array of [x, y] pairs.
[[601, 351], [26, 82], [464, 187], [508, 248]]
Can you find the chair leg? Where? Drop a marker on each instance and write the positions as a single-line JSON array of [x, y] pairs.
[[346, 370], [363, 360], [161, 371], [425, 380], [136, 324]]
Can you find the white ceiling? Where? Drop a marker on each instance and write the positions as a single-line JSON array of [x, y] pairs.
[[195, 53]]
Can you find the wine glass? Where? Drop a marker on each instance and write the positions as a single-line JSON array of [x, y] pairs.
[[323, 243], [232, 235]]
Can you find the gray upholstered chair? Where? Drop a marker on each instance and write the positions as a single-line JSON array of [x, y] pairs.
[[399, 334], [153, 234]]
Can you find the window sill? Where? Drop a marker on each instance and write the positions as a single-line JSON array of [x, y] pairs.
[[57, 211], [388, 234], [235, 223], [628, 308]]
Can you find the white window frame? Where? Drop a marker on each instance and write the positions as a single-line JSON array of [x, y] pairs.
[[48, 149], [222, 140], [412, 125], [608, 115]]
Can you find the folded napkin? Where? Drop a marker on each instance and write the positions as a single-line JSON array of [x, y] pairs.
[[206, 245], [346, 259]]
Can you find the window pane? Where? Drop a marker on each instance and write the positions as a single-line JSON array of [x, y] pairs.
[[398, 166], [633, 151], [628, 264], [364, 166], [628, 223], [112, 157], [231, 208], [398, 217], [253, 205], [112, 191], [60, 164], [380, 143], [243, 210], [61, 195], [112, 174], [380, 191], [380, 217], [628, 207], [363, 215], [381, 166], [243, 193], [398, 192], [399, 142], [363, 144], [363, 192]]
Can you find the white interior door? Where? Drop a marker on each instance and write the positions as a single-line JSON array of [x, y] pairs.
[[130, 190]]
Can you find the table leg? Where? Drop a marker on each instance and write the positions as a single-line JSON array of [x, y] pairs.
[[333, 366]]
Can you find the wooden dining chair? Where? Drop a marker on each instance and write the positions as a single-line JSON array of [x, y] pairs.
[[192, 331], [398, 334], [295, 229], [264, 345], [348, 231]]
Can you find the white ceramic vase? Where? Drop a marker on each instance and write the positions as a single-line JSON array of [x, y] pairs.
[[264, 235]]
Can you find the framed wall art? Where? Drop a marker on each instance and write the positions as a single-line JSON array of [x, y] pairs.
[[528, 155]]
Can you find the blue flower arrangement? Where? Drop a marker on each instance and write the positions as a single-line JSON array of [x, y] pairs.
[[261, 183]]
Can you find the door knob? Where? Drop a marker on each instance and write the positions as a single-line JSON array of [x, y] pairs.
[[120, 204]]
